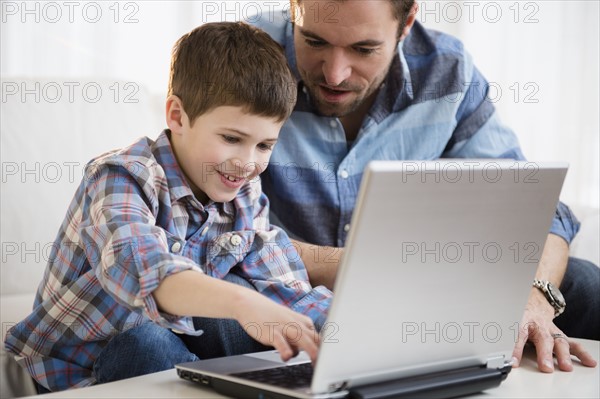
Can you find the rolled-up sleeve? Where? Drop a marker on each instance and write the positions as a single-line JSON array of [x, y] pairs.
[[128, 252], [565, 224]]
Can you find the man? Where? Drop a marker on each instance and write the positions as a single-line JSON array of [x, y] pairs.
[[374, 84]]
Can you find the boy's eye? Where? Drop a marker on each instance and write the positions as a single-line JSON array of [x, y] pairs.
[[230, 139], [265, 147]]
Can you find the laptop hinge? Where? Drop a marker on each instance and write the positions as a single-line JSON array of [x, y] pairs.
[[495, 362], [338, 386]]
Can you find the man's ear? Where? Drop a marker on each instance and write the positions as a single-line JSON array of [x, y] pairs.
[[410, 20], [175, 114]]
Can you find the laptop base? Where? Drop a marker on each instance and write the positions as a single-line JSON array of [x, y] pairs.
[[446, 384]]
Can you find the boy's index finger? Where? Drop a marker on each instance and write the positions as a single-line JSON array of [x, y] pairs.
[[284, 348], [308, 344], [312, 351]]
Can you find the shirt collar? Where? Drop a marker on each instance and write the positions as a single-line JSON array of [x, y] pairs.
[[163, 152]]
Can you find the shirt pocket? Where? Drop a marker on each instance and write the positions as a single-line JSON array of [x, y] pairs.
[[227, 250]]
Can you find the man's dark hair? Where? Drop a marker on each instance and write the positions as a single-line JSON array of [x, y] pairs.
[[400, 9]]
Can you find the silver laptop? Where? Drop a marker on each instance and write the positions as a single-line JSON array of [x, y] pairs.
[[430, 291]]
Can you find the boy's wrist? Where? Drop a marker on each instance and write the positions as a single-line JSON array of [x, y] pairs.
[[238, 302]]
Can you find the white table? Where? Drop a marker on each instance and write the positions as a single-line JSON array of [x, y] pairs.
[[524, 382]]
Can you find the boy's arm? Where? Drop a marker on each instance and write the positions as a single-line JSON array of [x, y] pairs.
[[129, 254], [195, 294]]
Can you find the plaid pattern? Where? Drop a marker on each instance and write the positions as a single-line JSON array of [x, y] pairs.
[[133, 222]]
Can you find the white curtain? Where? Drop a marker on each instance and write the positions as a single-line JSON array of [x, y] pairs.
[[542, 57]]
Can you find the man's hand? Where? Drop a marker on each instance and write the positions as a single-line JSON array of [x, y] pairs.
[[537, 325], [538, 328], [276, 325], [321, 262]]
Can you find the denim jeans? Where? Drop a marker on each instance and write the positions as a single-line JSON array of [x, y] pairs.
[[149, 348], [581, 289]]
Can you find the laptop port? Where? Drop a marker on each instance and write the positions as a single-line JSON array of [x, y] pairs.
[[195, 377], [205, 380], [183, 374]]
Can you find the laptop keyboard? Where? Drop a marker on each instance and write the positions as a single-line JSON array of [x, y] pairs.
[[296, 376]]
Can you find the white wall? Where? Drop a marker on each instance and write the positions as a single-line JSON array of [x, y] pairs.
[[543, 57]]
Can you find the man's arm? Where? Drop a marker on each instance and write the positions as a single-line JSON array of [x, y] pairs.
[[537, 324], [321, 262]]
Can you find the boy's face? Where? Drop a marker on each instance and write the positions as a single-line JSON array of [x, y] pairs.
[[225, 148]]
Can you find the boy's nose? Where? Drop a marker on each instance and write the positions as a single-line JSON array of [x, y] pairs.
[[244, 165]]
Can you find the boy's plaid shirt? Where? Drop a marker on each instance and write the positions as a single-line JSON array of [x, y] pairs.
[[133, 222]]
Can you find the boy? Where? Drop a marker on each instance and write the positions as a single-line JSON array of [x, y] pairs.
[[138, 267]]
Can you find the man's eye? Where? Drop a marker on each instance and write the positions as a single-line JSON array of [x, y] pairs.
[[230, 139], [315, 43], [364, 50]]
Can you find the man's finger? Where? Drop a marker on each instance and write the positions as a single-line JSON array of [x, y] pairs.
[[562, 353], [585, 358], [519, 345], [544, 344]]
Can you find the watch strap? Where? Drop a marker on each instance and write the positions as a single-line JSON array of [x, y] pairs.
[[542, 285]]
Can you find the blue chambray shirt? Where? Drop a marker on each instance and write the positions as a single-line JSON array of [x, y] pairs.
[[433, 104], [132, 222]]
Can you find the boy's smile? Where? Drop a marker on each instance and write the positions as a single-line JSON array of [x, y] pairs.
[[223, 149]]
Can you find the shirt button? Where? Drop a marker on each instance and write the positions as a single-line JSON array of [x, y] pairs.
[[235, 240], [347, 228], [344, 174], [204, 231], [176, 247], [333, 124]]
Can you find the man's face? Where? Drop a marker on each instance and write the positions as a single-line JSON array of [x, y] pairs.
[[344, 51], [225, 148]]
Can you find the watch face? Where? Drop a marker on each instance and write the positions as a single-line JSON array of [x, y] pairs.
[[556, 294]]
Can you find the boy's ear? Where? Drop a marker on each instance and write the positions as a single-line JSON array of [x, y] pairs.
[[175, 114]]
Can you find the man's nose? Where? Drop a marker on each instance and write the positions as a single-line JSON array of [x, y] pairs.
[[336, 67]]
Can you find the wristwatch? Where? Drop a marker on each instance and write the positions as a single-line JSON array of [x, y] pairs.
[[552, 294]]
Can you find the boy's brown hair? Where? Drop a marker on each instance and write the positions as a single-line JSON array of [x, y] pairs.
[[235, 64]]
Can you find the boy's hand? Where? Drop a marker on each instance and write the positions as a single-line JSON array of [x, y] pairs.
[[190, 293], [276, 325]]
